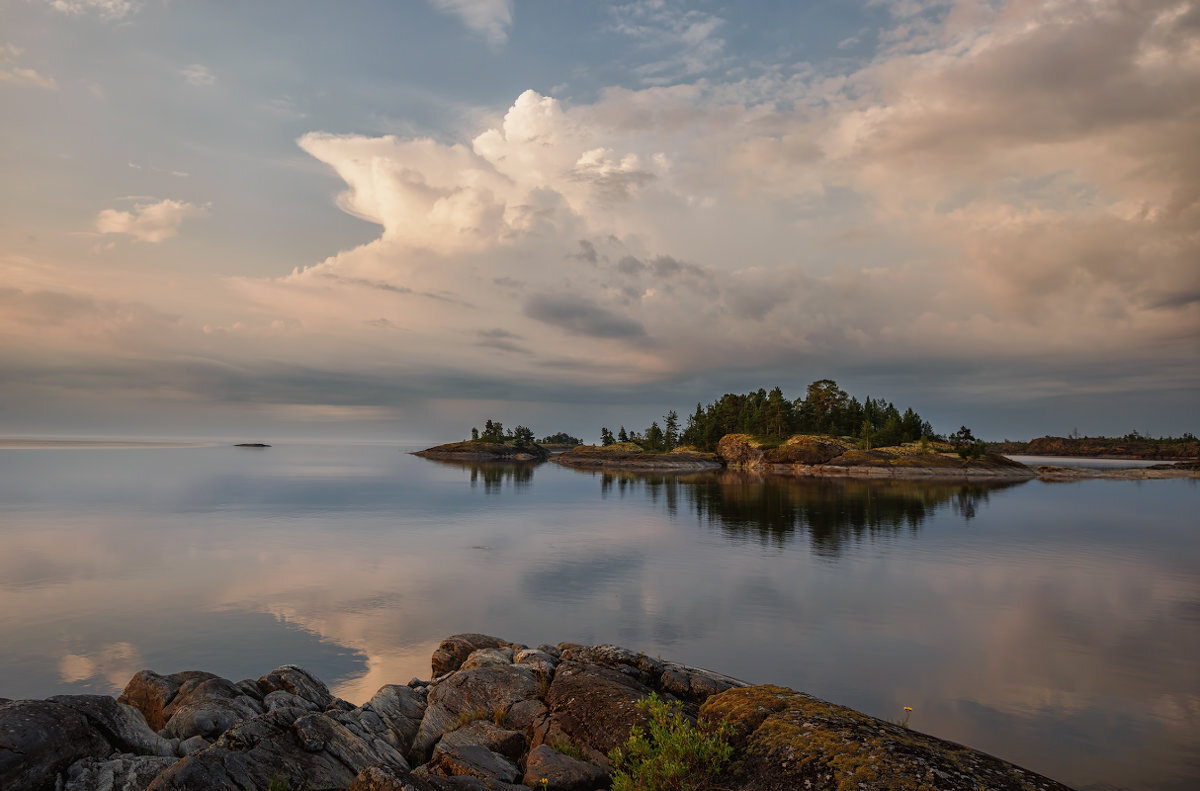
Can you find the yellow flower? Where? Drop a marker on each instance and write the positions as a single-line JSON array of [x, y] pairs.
[[908, 708]]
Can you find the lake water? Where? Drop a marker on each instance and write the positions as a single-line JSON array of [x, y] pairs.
[[1054, 625]]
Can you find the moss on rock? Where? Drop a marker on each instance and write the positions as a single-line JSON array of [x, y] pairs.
[[790, 740]]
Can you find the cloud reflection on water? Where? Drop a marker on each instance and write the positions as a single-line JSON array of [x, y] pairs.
[[1026, 621]]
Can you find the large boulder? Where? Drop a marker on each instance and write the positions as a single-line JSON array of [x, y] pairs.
[[393, 714], [152, 694], [301, 683], [192, 703], [592, 708], [454, 650], [39, 739], [746, 452], [121, 725], [505, 692]]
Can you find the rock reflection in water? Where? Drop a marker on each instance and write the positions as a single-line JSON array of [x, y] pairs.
[[831, 511]]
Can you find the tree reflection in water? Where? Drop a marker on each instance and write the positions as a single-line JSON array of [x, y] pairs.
[[831, 511], [494, 474]]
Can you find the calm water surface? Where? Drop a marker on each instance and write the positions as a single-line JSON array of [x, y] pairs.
[[1055, 625]]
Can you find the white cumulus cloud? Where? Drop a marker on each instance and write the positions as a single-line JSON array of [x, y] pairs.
[[106, 9], [198, 75], [148, 222], [489, 18], [11, 72]]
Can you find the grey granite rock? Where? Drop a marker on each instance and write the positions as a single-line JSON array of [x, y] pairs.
[[561, 772], [39, 739]]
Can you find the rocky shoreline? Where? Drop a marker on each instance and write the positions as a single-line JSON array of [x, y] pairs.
[[803, 457], [630, 456], [496, 715]]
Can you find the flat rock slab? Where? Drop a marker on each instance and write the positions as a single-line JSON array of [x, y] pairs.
[[553, 771], [474, 760]]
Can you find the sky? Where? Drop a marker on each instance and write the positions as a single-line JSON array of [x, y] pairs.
[[392, 220]]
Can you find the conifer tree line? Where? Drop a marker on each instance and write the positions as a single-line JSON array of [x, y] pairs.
[[824, 409], [493, 431]]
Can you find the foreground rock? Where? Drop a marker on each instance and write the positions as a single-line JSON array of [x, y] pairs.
[[630, 456], [497, 716], [484, 451], [831, 457], [789, 740]]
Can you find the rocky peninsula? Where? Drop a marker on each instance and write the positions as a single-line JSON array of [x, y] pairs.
[[496, 716]]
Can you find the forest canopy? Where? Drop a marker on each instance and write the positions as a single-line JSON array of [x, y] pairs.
[[824, 409]]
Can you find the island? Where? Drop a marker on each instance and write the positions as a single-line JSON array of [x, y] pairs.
[[483, 450], [252, 445], [826, 433], [1131, 446], [494, 715]]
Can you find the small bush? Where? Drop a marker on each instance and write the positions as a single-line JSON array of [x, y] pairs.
[[671, 754], [278, 783], [566, 747]]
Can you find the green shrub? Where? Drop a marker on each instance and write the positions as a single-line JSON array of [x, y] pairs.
[[671, 754], [566, 747]]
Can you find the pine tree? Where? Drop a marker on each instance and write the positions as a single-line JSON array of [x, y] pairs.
[[671, 435]]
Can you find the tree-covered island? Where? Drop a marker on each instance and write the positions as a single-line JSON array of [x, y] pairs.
[[827, 432]]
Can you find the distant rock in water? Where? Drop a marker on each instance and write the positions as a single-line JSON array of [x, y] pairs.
[[475, 450], [495, 714], [252, 445]]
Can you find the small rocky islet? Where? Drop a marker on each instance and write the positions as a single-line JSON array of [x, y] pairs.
[[496, 715]]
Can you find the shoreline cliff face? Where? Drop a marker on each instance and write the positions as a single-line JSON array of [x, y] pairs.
[[496, 715]]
